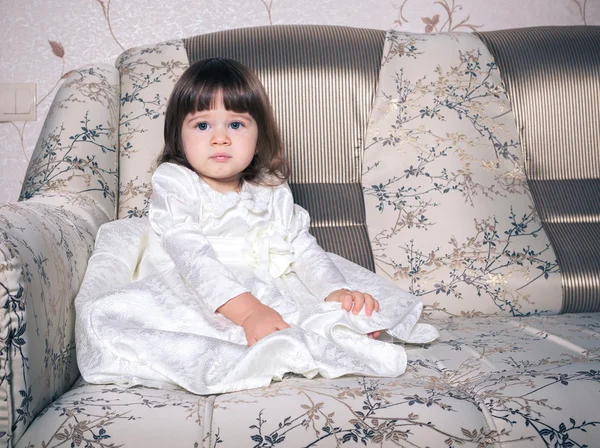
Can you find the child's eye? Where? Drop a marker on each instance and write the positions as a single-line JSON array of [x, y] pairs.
[[236, 125], [203, 125]]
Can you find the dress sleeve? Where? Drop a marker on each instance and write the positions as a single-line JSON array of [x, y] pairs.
[[174, 215], [311, 263]]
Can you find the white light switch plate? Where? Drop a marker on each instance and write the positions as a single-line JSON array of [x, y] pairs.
[[18, 101]]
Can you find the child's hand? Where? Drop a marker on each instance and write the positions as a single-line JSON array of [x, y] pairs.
[[261, 322], [354, 300]]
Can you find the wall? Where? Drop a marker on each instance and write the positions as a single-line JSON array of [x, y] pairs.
[[43, 39]]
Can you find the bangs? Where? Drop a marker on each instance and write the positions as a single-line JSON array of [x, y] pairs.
[[218, 81]]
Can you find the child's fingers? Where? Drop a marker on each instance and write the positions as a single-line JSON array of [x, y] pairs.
[[282, 326], [347, 302], [376, 307], [359, 301], [369, 304]]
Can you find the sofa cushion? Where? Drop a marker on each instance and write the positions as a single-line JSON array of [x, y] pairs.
[[147, 77], [449, 209], [485, 382], [97, 415], [552, 76], [503, 381], [321, 93]]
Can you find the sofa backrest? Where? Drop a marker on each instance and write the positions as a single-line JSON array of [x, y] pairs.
[[321, 81], [552, 76], [448, 205]]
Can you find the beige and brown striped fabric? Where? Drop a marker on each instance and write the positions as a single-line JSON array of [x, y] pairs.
[[321, 81], [552, 75]]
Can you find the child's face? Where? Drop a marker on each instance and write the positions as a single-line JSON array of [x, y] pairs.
[[219, 144]]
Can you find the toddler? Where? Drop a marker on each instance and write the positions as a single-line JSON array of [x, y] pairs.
[[230, 290]]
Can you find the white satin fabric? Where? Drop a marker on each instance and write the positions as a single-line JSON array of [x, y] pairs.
[[146, 309]]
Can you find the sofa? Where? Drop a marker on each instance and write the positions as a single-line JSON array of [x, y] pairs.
[[464, 168]]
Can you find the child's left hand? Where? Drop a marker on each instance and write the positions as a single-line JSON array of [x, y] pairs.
[[355, 300]]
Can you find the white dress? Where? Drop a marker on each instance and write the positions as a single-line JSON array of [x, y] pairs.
[[146, 309]]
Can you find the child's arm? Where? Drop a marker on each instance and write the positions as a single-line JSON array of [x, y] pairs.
[[312, 264], [256, 319]]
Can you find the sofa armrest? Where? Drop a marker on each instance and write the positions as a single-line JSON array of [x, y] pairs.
[[45, 244], [76, 152]]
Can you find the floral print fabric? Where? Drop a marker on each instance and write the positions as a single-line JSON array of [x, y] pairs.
[[449, 210], [45, 242], [148, 75], [488, 381], [76, 151], [44, 250], [478, 386]]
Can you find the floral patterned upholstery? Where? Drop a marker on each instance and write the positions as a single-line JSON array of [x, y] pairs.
[[97, 415], [147, 78], [479, 386], [78, 143], [500, 375], [449, 210], [44, 251], [45, 243]]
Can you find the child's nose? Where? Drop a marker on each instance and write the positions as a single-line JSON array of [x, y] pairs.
[[220, 137]]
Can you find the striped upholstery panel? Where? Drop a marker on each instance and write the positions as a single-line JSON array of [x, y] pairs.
[[552, 75], [321, 82], [339, 210]]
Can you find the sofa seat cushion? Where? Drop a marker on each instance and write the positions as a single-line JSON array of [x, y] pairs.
[[486, 382], [92, 415]]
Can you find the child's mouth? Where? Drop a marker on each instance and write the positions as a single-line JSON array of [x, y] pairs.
[[220, 157]]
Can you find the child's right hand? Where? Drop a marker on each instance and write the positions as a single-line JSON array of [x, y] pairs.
[[354, 300], [261, 322]]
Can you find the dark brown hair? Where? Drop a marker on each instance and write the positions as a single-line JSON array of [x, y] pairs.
[[198, 88]]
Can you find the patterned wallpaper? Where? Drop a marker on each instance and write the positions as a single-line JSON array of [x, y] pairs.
[[43, 39]]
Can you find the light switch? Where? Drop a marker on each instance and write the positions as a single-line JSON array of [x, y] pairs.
[[17, 101], [7, 102], [23, 100]]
